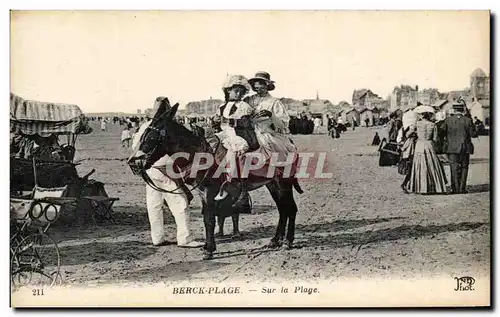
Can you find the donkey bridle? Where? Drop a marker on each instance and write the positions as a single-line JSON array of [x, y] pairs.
[[142, 171]]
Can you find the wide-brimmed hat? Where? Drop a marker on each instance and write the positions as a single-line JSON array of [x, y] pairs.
[[262, 76], [424, 109], [236, 80]]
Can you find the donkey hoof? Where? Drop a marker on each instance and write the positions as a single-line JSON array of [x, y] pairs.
[[208, 255], [236, 236], [287, 245], [219, 234], [273, 244]]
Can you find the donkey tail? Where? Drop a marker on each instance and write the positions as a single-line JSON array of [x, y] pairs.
[[295, 183]]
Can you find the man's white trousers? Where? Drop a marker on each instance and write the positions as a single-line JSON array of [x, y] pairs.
[[177, 203]]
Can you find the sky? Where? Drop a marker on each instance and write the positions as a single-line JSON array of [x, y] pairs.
[[110, 61]]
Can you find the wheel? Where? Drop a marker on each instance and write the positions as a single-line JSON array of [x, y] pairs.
[[36, 211], [49, 211], [36, 262], [58, 279], [14, 242], [19, 277]]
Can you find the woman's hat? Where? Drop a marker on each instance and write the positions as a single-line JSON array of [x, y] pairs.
[[424, 109], [236, 80], [265, 77]]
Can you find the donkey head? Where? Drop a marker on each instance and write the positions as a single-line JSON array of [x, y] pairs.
[[155, 135]]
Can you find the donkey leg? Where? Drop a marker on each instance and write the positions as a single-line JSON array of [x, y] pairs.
[[290, 209], [209, 222], [280, 229], [290, 234], [220, 223], [277, 240], [236, 226]]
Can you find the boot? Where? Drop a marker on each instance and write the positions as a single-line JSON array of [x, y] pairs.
[[222, 192], [243, 193]]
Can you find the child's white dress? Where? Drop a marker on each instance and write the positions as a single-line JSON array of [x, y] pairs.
[[233, 110]]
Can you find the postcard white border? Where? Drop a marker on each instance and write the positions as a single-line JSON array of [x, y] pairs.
[[194, 5]]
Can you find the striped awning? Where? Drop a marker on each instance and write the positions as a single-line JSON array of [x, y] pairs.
[[32, 117], [32, 110]]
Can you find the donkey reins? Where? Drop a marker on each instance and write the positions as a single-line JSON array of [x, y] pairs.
[[151, 183]]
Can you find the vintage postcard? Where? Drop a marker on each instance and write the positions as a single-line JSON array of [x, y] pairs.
[[250, 158]]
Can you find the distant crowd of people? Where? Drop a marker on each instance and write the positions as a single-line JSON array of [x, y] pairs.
[[120, 120], [337, 126], [130, 126], [304, 124]]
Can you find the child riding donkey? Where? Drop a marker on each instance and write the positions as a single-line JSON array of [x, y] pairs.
[[236, 134]]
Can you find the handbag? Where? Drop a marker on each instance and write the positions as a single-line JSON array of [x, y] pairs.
[[390, 153], [404, 165]]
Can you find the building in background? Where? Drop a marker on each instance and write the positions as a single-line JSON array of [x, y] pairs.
[[347, 114], [406, 97], [480, 85], [362, 98], [403, 97], [480, 96], [319, 108], [203, 108], [294, 107], [476, 96], [453, 95], [428, 96], [368, 105]]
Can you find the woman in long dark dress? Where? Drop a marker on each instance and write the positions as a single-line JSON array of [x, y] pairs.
[[427, 172], [407, 152]]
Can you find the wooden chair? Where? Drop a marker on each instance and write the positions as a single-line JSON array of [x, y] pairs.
[[101, 206]]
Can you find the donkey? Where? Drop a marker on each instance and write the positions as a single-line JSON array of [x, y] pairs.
[[166, 136]]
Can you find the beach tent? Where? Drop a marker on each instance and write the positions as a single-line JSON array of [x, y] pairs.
[[45, 118]]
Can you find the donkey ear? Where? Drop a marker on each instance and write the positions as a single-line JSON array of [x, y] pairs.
[[172, 111], [160, 111], [162, 104]]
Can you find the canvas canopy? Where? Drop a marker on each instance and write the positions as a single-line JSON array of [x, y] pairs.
[[44, 118]]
